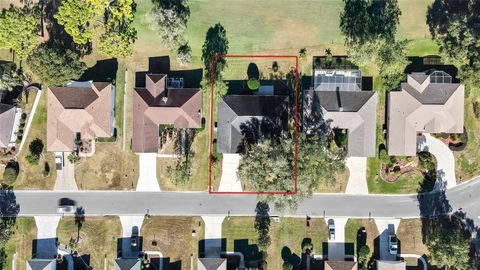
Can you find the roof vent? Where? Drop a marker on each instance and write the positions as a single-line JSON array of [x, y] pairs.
[[164, 99]]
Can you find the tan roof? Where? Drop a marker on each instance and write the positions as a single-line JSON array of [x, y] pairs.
[[157, 105], [391, 265], [340, 265], [423, 105], [80, 107]]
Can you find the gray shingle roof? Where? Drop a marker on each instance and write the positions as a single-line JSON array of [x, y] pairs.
[[127, 264], [350, 101], [211, 263], [251, 117], [39, 264], [7, 118]]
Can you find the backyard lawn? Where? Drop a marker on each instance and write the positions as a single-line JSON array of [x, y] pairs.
[[21, 242], [173, 237], [98, 238], [287, 237]]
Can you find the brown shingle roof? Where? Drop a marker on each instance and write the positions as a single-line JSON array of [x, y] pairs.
[[157, 105], [87, 110]]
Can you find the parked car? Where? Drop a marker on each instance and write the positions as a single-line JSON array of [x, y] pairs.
[[58, 161], [331, 229], [393, 244], [66, 209], [134, 237]]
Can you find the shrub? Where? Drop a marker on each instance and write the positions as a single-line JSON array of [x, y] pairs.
[[275, 66], [476, 109], [253, 84], [302, 53], [36, 147], [73, 157], [9, 175], [32, 159], [184, 54], [383, 155], [46, 169]]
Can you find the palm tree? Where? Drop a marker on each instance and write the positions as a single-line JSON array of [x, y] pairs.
[[79, 220]]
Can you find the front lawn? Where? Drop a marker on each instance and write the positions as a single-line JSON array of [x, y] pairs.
[[25, 231], [98, 238], [409, 235], [287, 237], [352, 229], [173, 237]]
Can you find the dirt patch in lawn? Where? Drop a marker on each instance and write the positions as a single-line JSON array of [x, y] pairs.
[[341, 181], [108, 168], [98, 238], [173, 237]]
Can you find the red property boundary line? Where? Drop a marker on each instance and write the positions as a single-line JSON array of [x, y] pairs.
[[295, 139]]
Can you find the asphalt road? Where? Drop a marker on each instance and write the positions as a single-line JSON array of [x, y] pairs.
[[99, 203]]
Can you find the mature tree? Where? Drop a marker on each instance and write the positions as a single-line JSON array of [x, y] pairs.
[[184, 54], [364, 21], [10, 76], [36, 149], [262, 225], [269, 166], [19, 30], [117, 43], [454, 26], [55, 65], [448, 243], [3, 258], [216, 42], [171, 17], [392, 60], [8, 212], [119, 36], [363, 257], [79, 18], [9, 175]]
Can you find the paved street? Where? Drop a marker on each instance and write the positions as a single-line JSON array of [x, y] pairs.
[[464, 196]]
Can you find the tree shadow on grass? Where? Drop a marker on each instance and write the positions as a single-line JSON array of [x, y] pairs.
[[290, 257], [103, 71]]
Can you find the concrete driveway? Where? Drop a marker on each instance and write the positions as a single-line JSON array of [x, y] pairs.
[[147, 180], [445, 160], [229, 180], [46, 236], [386, 227], [66, 176], [213, 235], [128, 222], [336, 247], [357, 180]]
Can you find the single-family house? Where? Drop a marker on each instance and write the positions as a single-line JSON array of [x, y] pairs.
[[244, 118], [9, 121], [391, 265], [127, 264], [163, 101], [340, 265], [42, 264], [212, 264], [426, 102], [79, 111], [337, 98]]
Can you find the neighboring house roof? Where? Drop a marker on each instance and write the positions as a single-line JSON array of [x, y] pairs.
[[249, 117], [212, 264], [83, 107], [391, 265], [42, 264], [156, 104], [7, 120], [340, 265], [427, 102], [127, 264], [345, 107]]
